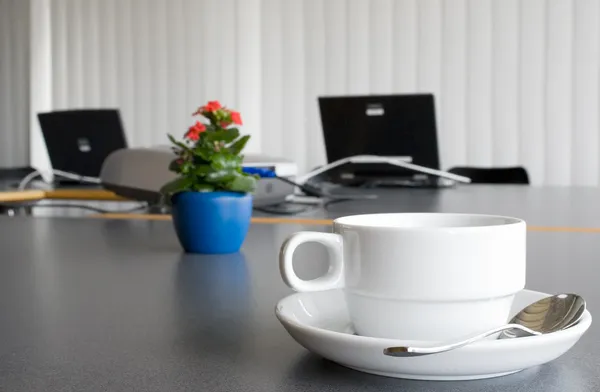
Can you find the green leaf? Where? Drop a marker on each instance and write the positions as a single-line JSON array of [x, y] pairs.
[[172, 139], [239, 145], [177, 185], [211, 117], [179, 144], [225, 161], [210, 128], [204, 152], [202, 170], [186, 167], [246, 184], [203, 188], [226, 135], [221, 115], [221, 176], [174, 165]]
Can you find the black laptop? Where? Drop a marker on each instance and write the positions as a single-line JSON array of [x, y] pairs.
[[386, 125], [78, 141]]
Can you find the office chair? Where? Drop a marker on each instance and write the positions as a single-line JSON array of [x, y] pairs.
[[15, 173], [493, 175], [9, 179]]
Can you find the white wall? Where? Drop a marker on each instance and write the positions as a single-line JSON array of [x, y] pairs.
[[14, 83], [516, 81]]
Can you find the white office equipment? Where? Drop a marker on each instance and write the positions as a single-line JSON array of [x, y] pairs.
[[139, 173]]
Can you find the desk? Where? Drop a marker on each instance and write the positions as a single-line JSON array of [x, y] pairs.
[[58, 194], [544, 208], [62, 201], [556, 208], [104, 304]]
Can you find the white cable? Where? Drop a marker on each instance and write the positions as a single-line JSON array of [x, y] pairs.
[[427, 170], [353, 159], [72, 176], [93, 180], [396, 161], [27, 179]]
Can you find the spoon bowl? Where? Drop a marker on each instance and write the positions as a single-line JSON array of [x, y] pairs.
[[547, 315]]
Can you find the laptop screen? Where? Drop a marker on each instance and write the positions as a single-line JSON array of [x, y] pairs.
[[78, 141], [386, 125]]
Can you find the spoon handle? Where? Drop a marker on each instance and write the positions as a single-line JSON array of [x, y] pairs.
[[407, 351]]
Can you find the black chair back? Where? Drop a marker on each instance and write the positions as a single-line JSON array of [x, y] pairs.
[[493, 175], [15, 173]]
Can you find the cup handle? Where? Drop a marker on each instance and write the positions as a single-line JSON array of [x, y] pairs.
[[334, 278]]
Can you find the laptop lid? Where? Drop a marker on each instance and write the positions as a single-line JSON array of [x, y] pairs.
[[78, 141], [386, 125]]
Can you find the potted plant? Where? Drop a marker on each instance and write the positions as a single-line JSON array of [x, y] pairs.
[[211, 197]]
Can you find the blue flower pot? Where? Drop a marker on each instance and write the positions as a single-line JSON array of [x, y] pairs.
[[211, 222]]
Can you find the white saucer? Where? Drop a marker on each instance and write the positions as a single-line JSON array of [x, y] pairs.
[[319, 321]]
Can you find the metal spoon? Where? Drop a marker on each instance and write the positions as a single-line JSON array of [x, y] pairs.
[[547, 315]]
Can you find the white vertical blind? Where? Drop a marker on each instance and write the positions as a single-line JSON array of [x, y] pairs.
[[380, 48], [357, 41], [429, 47], [272, 78], [532, 71], [505, 82], [292, 95], [404, 40], [516, 81], [479, 83], [40, 78], [14, 83], [453, 109], [586, 103], [248, 64], [559, 80], [315, 85]]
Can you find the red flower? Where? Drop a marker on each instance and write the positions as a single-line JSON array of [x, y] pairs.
[[225, 124], [211, 106], [194, 132], [236, 118]]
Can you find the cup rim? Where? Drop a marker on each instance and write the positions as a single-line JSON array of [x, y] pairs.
[[346, 221]]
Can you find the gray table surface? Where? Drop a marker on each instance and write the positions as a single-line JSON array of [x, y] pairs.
[[543, 206], [114, 305]]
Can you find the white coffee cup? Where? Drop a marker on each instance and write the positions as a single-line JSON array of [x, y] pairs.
[[428, 277]]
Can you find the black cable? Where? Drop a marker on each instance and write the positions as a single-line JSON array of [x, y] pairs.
[[336, 201], [314, 191], [284, 209], [307, 189]]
